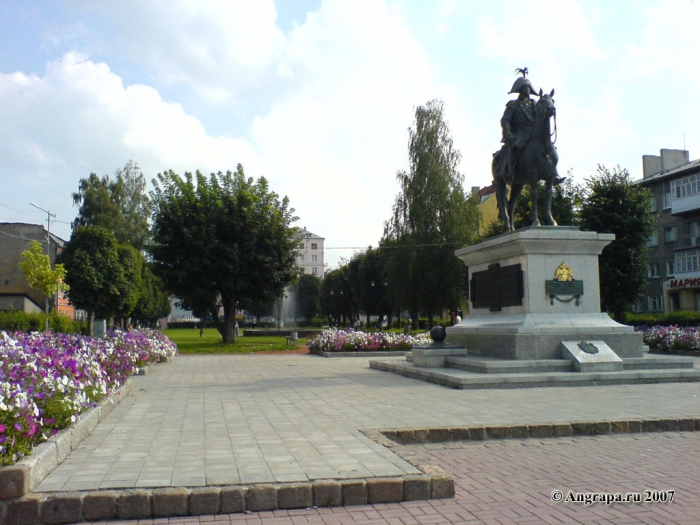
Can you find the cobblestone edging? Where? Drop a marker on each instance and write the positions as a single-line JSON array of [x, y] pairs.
[[410, 436], [25, 475], [74, 507], [362, 354]]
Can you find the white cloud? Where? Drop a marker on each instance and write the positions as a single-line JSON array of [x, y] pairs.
[[334, 145], [79, 118], [554, 34], [217, 46]]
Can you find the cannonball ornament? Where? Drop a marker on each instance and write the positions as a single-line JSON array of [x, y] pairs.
[[438, 334]]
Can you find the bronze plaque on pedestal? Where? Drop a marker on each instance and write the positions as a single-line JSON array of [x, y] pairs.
[[497, 287]]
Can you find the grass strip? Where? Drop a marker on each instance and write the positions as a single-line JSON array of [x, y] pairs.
[[188, 341]]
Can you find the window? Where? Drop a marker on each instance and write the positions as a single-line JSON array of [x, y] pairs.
[[669, 268], [301, 245], [685, 187], [314, 271], [653, 270], [314, 258], [686, 261], [653, 239], [655, 303], [314, 246], [652, 204], [671, 234], [667, 201], [638, 306], [302, 258]]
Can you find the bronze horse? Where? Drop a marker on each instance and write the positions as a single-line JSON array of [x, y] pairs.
[[535, 162]]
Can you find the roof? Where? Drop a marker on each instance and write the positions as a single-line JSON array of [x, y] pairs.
[[309, 235], [685, 169], [22, 229]]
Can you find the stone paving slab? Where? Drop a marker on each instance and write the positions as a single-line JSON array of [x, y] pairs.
[[226, 420]]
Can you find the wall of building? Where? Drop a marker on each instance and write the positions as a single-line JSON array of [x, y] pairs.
[[14, 239], [311, 254]]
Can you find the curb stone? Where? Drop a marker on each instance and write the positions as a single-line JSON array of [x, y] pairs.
[[393, 438], [204, 500], [172, 501], [100, 506], [327, 493], [66, 508], [295, 496], [134, 505]]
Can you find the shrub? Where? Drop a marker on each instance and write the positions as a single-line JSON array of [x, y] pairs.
[[18, 321], [333, 340], [672, 337], [682, 318]]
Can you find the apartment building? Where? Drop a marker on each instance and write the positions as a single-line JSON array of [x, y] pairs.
[[674, 246], [310, 256]]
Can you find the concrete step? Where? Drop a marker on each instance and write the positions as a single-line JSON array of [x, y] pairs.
[[490, 365], [656, 362]]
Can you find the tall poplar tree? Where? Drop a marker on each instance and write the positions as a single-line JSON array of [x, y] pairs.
[[119, 204], [432, 217]]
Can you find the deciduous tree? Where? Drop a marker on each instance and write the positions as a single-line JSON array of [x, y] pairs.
[[36, 267], [222, 239], [94, 272], [614, 204]]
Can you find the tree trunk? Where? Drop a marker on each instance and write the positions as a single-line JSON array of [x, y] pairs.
[[229, 327], [91, 322]]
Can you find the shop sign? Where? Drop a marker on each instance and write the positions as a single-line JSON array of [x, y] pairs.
[[689, 282]]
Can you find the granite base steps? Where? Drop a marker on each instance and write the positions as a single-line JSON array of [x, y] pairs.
[[473, 371]]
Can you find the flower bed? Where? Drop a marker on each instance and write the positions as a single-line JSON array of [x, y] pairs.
[[47, 379], [672, 338], [334, 340]]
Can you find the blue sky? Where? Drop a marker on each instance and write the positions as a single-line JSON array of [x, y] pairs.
[[317, 95]]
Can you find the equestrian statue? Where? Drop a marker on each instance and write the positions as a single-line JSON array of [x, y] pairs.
[[528, 154]]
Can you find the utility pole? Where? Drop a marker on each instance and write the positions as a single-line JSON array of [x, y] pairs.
[[48, 252]]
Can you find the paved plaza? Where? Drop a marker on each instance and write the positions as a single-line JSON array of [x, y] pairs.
[[222, 420]]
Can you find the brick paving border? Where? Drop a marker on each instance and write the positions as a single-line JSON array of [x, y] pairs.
[[137, 504], [392, 438]]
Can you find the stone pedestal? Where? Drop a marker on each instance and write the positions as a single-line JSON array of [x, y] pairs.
[[527, 318]]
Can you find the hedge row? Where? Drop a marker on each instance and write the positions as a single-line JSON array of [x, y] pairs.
[[16, 321], [682, 318]]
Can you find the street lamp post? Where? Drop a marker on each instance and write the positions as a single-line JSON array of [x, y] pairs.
[[48, 252]]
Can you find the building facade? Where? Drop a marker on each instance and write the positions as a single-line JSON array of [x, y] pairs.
[[310, 256], [674, 246], [15, 292]]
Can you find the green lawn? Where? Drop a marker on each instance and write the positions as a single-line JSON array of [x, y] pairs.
[[188, 341]]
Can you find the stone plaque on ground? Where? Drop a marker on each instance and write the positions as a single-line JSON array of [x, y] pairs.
[[591, 356]]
